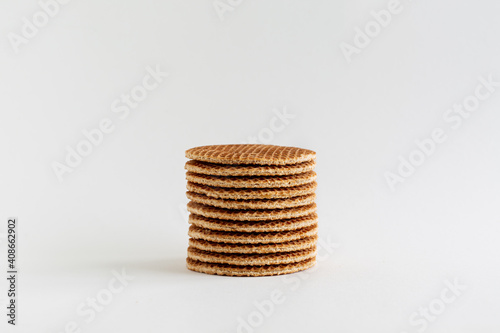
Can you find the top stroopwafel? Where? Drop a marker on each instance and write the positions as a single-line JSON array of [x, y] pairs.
[[207, 168], [251, 154]]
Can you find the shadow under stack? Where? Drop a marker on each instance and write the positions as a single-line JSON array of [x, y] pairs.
[[253, 210]]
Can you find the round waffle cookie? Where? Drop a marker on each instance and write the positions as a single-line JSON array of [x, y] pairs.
[[251, 154], [251, 237], [252, 193], [207, 168], [245, 226], [235, 270], [296, 245], [252, 181], [250, 215], [253, 203], [251, 259]]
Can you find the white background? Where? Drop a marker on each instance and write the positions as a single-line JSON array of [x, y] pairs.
[[122, 207]]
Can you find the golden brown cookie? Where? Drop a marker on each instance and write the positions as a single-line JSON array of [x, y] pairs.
[[213, 169], [246, 226], [296, 245], [251, 237], [235, 270], [250, 214], [252, 203], [252, 193], [250, 154], [252, 181], [251, 259]]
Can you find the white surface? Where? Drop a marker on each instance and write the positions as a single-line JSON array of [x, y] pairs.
[[122, 207]]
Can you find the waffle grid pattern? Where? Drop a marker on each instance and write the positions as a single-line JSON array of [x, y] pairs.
[[251, 154]]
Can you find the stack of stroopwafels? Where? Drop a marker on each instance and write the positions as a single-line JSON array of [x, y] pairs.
[[252, 209]]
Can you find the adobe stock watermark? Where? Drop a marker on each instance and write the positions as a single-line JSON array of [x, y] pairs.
[[453, 119], [30, 27], [222, 7], [3, 237], [183, 211], [363, 37], [88, 310], [4, 301], [266, 308], [277, 124], [425, 315], [94, 137]]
